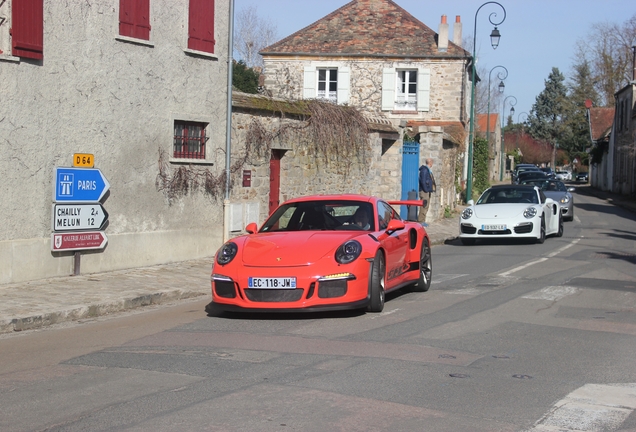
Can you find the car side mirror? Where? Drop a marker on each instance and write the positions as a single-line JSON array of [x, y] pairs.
[[571, 189], [471, 202], [395, 225], [251, 228]]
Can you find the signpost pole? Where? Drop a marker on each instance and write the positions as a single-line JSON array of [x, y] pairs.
[[76, 263]]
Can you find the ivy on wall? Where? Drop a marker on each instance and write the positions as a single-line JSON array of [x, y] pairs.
[[337, 135], [480, 167]]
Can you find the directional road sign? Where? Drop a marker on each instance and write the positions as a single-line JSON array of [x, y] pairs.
[[61, 242], [79, 185], [78, 217]]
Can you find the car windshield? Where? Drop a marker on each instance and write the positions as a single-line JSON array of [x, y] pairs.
[[322, 215], [509, 195], [547, 185]]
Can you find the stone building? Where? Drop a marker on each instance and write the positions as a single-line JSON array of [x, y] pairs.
[[131, 83], [623, 152], [374, 55]]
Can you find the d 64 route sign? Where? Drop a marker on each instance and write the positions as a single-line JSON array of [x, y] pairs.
[[61, 242], [78, 217]]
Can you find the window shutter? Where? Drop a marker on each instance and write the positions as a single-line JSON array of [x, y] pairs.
[[134, 18], [423, 89], [344, 85], [27, 28], [201, 26], [388, 89], [309, 83]]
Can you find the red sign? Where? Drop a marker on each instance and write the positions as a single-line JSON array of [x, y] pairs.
[[78, 241]]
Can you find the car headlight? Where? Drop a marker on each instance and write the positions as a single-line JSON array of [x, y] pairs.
[[565, 200], [348, 252], [467, 213], [530, 212], [226, 253]]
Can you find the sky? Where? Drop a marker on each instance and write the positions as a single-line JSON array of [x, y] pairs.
[[536, 35]]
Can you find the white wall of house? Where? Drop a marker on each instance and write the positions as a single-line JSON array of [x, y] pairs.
[[95, 92]]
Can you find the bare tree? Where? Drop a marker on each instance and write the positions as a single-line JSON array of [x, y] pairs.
[[251, 35], [608, 49]]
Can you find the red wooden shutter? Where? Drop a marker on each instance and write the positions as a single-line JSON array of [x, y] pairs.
[[27, 28], [134, 18], [201, 25]]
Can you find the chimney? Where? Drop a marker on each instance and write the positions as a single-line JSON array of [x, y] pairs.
[[442, 37], [457, 31]]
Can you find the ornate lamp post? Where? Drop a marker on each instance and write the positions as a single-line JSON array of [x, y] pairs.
[[517, 134], [503, 151], [494, 41], [501, 88]]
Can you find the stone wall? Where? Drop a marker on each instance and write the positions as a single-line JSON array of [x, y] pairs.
[[284, 79]]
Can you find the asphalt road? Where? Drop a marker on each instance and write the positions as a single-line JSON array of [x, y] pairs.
[[510, 337]]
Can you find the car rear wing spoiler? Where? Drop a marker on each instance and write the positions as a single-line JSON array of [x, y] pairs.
[[407, 203]]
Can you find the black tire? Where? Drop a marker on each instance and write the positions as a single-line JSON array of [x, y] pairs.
[[376, 283], [468, 241], [541, 237], [426, 268], [560, 232]]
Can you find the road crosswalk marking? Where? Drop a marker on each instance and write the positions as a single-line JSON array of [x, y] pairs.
[[593, 407]]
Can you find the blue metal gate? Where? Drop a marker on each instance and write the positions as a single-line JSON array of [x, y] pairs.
[[410, 170]]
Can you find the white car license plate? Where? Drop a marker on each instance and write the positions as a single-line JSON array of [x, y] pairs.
[[272, 282], [493, 227]]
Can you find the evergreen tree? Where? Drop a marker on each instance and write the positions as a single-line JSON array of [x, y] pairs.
[[547, 119], [243, 78], [580, 88]]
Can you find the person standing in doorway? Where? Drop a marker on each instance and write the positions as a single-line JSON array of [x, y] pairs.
[[427, 187]]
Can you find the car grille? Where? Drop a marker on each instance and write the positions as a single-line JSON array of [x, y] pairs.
[[468, 229], [274, 295], [524, 229], [334, 288], [224, 289], [504, 232]]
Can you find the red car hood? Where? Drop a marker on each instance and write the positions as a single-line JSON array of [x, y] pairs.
[[291, 249]]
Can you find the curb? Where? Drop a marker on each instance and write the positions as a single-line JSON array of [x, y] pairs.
[[95, 310]]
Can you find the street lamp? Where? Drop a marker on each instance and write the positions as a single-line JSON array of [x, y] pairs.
[[503, 151], [522, 129], [519, 116], [501, 88], [494, 41]]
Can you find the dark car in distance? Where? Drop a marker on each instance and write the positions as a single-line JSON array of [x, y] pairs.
[[583, 177]]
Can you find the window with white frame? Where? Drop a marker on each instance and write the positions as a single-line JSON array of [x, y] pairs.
[[327, 84], [406, 89], [406, 93]]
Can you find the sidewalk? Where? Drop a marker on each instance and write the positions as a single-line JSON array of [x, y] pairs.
[[41, 303]]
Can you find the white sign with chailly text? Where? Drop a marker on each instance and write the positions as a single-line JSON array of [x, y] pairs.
[[78, 217]]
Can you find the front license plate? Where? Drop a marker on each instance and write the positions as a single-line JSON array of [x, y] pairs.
[[493, 227], [272, 283]]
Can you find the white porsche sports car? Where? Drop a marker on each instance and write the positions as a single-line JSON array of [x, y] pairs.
[[511, 211]]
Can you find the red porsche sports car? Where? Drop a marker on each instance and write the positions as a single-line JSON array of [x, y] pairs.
[[324, 252]]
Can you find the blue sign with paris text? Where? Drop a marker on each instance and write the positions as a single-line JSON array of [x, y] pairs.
[[79, 185]]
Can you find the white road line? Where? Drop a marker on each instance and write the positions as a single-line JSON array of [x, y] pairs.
[[552, 293], [593, 407], [540, 260]]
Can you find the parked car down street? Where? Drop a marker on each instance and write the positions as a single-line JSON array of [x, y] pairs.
[[582, 177], [557, 190]]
